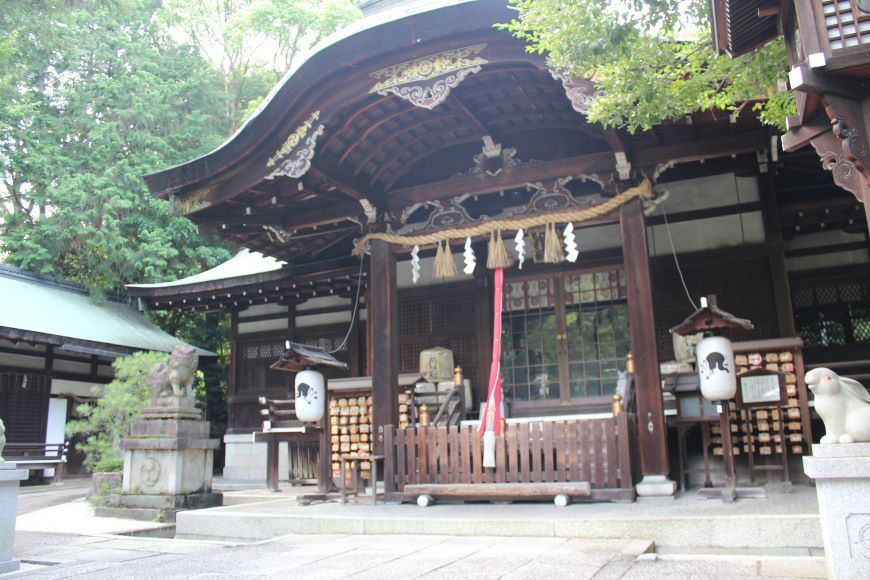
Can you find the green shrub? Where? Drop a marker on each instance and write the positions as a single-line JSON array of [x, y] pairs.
[[120, 404], [109, 464]]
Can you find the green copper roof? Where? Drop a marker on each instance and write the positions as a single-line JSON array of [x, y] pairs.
[[33, 305]]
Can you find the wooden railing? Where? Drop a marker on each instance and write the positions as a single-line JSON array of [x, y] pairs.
[[452, 410], [595, 450]]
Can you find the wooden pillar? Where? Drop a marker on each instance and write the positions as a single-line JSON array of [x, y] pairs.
[[383, 317], [325, 483], [650, 409], [776, 255]]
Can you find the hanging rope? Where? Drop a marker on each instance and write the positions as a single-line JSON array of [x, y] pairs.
[[491, 226]]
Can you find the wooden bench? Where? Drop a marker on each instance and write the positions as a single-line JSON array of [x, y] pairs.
[[38, 456], [280, 424], [561, 492]]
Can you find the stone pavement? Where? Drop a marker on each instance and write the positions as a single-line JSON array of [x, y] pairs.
[[378, 558], [67, 541]]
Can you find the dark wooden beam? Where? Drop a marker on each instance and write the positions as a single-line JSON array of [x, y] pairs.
[[696, 150], [291, 218], [705, 213], [800, 137], [382, 315], [510, 177], [778, 271], [828, 249], [809, 80], [650, 408], [347, 186], [769, 8], [457, 104]]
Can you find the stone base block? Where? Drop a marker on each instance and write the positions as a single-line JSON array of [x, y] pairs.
[[10, 477], [656, 486], [9, 566], [156, 508], [842, 474]]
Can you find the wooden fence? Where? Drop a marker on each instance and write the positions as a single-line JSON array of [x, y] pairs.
[[595, 450]]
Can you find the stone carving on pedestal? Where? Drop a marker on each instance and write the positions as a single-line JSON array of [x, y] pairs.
[[168, 456], [843, 404]]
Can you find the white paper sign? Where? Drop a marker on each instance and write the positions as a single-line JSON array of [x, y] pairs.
[[760, 389]]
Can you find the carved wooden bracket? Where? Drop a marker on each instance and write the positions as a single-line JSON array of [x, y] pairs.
[[580, 92], [294, 156], [844, 151], [426, 81], [846, 175]]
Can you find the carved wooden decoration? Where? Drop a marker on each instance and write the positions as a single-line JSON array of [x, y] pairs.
[[448, 214], [551, 196], [849, 124], [192, 202], [293, 158], [548, 197], [493, 158], [580, 92], [426, 82], [846, 175]]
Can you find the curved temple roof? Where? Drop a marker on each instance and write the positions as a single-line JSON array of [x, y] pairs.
[[420, 103]]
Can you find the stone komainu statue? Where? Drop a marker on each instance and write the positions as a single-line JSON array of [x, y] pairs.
[[175, 378]]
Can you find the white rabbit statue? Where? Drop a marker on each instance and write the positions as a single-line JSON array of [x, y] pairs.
[[843, 404]]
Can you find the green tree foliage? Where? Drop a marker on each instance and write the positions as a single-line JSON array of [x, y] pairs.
[[253, 43], [653, 59], [96, 95], [105, 422]]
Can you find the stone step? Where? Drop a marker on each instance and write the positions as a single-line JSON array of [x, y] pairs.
[[269, 519]]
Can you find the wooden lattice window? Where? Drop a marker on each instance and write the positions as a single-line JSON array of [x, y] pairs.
[[846, 22], [833, 313], [255, 356], [24, 406], [564, 337]]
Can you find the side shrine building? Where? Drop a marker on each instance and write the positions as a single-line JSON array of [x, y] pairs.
[[422, 139]]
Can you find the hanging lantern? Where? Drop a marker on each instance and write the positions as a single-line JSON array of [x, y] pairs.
[[310, 390], [714, 355], [715, 360]]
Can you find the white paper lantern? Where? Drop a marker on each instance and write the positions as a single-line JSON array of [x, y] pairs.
[[310, 391], [715, 360]]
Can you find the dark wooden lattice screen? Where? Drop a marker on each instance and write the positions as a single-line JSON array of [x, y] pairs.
[[255, 356], [440, 318], [24, 406], [742, 285], [832, 313]]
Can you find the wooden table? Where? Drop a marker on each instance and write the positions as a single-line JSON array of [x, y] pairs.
[[354, 460]]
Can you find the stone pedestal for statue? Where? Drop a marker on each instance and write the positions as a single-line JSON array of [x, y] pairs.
[[168, 460], [842, 474], [168, 456], [9, 480]]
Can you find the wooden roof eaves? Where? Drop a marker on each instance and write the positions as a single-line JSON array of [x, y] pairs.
[[313, 76], [18, 334]]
